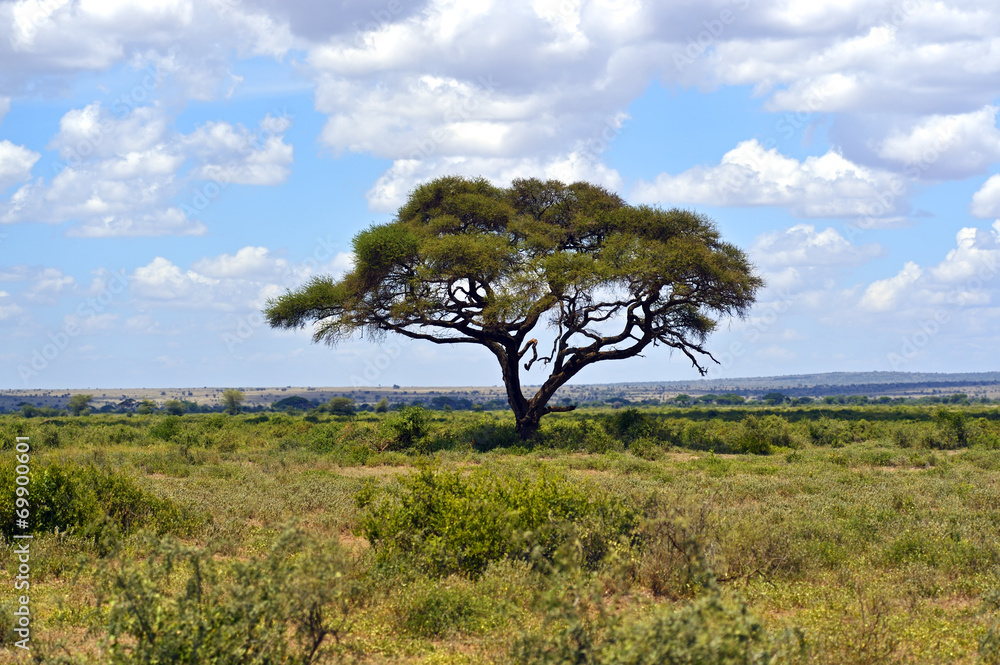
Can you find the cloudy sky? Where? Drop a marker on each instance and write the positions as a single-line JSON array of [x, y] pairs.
[[168, 165]]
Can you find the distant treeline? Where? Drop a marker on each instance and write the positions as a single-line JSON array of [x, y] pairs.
[[344, 405]]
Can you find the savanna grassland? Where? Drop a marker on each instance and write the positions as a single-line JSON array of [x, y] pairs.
[[732, 535]]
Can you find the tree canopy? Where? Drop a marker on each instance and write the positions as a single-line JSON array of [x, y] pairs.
[[466, 262], [232, 399], [80, 404]]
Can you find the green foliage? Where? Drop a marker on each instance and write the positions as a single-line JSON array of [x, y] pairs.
[[436, 608], [70, 497], [340, 406], [409, 426], [283, 609], [827, 432], [714, 629], [628, 424], [472, 263], [585, 434], [293, 402], [441, 522], [758, 436], [166, 429], [989, 646], [954, 429], [79, 404], [32, 411], [490, 434], [174, 407], [232, 399]]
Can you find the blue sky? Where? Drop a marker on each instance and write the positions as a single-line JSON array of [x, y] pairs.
[[167, 166]]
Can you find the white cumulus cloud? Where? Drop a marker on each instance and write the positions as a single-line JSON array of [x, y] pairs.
[[986, 200], [752, 175], [803, 245], [134, 175], [968, 275], [16, 163], [884, 294], [951, 146]]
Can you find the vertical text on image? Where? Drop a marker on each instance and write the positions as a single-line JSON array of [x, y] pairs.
[[22, 581]]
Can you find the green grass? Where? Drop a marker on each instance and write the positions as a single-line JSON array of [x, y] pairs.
[[872, 534]]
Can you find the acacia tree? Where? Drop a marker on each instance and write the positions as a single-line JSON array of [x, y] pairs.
[[466, 262], [79, 404], [232, 399]]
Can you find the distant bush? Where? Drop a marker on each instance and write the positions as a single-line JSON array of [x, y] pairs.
[[340, 406], [442, 522], [953, 429], [701, 435], [759, 435], [628, 424], [293, 402], [588, 435], [827, 432], [489, 434], [409, 426], [166, 429]]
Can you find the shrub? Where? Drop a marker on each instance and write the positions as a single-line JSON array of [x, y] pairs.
[[72, 497], [430, 608], [757, 436], [446, 523], [989, 646], [282, 609], [166, 429], [697, 435], [340, 406], [953, 429], [489, 434], [628, 424], [588, 435], [409, 426], [678, 547], [711, 630], [827, 432], [7, 623]]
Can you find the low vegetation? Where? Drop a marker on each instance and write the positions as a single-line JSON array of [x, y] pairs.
[[768, 534]]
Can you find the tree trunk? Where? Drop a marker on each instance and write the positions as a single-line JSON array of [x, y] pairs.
[[527, 425]]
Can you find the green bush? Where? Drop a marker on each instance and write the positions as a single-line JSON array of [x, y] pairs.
[[827, 432], [628, 424], [585, 434], [711, 630], [168, 428], [409, 426], [69, 497], [431, 608], [953, 429], [489, 434], [283, 609], [443, 522], [697, 435], [759, 435]]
